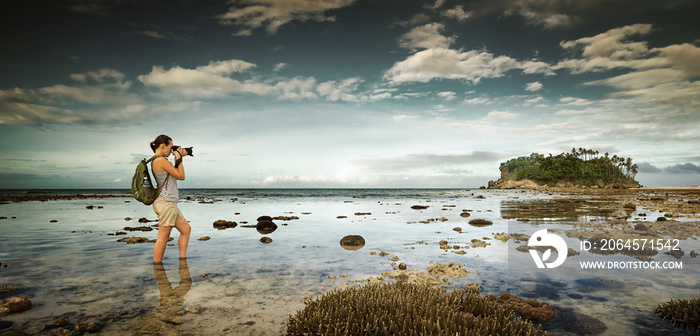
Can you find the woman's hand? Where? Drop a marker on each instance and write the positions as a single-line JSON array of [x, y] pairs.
[[180, 151]]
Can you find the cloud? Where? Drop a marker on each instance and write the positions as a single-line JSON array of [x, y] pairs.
[[534, 100], [685, 168], [478, 100], [272, 14], [613, 43], [575, 101], [534, 86], [215, 80], [447, 95], [105, 89], [547, 20], [210, 81], [341, 90], [457, 13], [437, 61], [658, 76], [426, 37], [681, 168], [279, 66], [296, 88], [437, 159]]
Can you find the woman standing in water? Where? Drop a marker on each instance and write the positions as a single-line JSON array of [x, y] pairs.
[[165, 206]]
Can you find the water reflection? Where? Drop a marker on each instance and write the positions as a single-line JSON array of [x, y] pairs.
[[167, 318], [571, 210]]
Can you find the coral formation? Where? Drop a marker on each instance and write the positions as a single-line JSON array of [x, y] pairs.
[[480, 222], [532, 310], [224, 224], [406, 309], [682, 313], [8, 289], [14, 304]]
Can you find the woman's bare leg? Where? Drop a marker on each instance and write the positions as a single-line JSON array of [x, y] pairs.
[[184, 227], [161, 242]]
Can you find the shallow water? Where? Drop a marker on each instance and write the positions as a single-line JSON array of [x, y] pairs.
[[75, 269]]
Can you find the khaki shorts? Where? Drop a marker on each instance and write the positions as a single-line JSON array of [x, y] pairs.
[[168, 212]]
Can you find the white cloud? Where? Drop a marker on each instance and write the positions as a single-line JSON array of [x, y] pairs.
[[214, 81], [106, 89], [533, 101], [547, 20], [207, 81], [457, 13], [437, 61], [296, 88], [273, 14], [659, 76], [341, 90], [612, 43], [575, 101], [427, 36], [447, 95], [103, 75], [477, 101], [534, 86], [279, 66]]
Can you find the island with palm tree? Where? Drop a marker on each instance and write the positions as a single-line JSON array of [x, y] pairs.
[[579, 168]]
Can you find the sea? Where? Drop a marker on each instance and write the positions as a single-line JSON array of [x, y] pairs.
[[65, 256]]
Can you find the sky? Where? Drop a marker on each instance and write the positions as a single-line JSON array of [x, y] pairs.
[[344, 93]]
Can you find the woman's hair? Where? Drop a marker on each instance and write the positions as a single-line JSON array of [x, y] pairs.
[[161, 139]]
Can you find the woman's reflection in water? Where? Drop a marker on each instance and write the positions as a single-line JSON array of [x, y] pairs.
[[167, 318]]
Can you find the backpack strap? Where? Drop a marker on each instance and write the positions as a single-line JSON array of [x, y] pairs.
[[152, 158], [154, 173]]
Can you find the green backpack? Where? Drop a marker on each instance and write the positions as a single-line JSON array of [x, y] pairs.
[[141, 185]]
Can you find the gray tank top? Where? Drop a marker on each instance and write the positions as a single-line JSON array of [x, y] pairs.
[[169, 191]]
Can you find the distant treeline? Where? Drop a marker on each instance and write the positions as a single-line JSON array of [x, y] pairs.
[[581, 167]]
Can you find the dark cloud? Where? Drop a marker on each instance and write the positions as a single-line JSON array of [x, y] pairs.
[[684, 168], [681, 168], [648, 168]]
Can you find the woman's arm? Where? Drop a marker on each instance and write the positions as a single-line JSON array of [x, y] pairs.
[[162, 164]]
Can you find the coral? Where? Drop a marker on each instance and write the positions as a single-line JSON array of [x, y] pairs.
[[224, 224], [14, 305], [8, 289], [406, 309], [682, 313], [532, 310], [480, 222]]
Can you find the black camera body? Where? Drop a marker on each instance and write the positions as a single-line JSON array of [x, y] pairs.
[[188, 150]]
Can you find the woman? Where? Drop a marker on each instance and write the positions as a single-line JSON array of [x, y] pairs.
[[165, 206]]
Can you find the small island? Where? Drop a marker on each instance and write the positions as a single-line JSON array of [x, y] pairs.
[[578, 168]]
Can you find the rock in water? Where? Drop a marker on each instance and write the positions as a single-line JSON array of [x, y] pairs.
[[352, 242], [14, 305]]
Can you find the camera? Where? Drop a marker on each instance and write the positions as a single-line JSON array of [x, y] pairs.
[[188, 150]]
